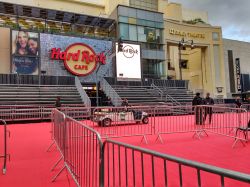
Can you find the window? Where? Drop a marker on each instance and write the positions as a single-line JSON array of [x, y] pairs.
[[124, 34], [215, 36], [132, 33], [141, 35], [123, 19], [145, 4]]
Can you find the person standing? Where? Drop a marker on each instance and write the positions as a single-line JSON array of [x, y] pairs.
[[58, 103], [238, 102], [208, 110], [125, 102], [198, 110]]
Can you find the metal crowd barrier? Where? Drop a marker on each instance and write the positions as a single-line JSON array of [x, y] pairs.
[[246, 107], [200, 120], [5, 154], [113, 122], [80, 148], [40, 112], [128, 165], [93, 163], [123, 121]]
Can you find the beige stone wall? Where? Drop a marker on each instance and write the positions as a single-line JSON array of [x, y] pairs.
[[203, 64], [173, 12], [5, 50]]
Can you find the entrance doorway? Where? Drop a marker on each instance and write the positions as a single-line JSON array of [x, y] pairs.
[[191, 67]]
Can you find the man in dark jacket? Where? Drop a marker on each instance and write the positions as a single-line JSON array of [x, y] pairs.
[[198, 110], [208, 110], [237, 102], [58, 103], [125, 102]]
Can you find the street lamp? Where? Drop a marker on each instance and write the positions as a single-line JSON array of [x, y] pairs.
[[182, 46]]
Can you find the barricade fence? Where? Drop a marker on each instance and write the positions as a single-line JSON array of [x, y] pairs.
[[80, 148], [123, 121], [157, 120], [128, 165], [93, 163], [3, 151], [200, 119], [40, 112]]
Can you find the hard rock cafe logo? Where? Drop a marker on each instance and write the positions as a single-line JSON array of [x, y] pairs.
[[79, 58], [129, 51]]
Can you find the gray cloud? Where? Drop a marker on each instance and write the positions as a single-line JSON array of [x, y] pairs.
[[231, 15]]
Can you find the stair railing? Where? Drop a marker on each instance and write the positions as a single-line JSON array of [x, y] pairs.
[[83, 94], [110, 92], [169, 98], [157, 90]]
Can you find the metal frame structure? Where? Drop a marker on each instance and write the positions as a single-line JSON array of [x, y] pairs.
[[92, 162], [46, 16], [121, 157], [5, 154], [81, 150]]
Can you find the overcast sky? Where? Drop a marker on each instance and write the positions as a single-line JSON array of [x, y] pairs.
[[232, 15]]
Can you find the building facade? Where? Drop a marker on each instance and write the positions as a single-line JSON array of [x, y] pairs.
[[156, 25], [202, 65], [236, 54]]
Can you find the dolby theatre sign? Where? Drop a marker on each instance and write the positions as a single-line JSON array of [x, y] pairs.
[[79, 59]]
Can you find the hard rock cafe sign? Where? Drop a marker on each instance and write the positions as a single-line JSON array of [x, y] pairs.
[[79, 59]]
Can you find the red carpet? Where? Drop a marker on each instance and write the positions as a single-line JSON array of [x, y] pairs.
[[30, 164], [214, 150]]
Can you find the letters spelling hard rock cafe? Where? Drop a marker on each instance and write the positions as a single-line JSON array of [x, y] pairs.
[[79, 59]]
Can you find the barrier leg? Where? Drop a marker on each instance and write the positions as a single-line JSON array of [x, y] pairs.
[[52, 169], [200, 132], [50, 146], [144, 138], [57, 175], [159, 138], [236, 140]]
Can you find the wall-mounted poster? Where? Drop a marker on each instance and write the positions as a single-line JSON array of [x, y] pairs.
[[25, 52], [128, 62]]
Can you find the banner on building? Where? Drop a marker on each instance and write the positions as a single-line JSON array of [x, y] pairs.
[[238, 74], [25, 52], [128, 62]]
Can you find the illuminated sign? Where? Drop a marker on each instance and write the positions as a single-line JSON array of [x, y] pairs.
[[79, 58], [128, 62], [186, 34]]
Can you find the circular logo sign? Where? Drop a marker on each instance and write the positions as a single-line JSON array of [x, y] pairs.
[[80, 59], [128, 51]]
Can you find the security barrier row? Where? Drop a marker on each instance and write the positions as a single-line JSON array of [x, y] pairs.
[[92, 161], [12, 113], [113, 122]]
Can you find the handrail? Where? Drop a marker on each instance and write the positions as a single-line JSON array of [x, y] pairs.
[[83, 94], [174, 101], [4, 156], [157, 89], [110, 92], [197, 165]]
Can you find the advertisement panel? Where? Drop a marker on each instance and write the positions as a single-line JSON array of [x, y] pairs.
[[128, 62], [25, 52], [67, 56], [238, 74]]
